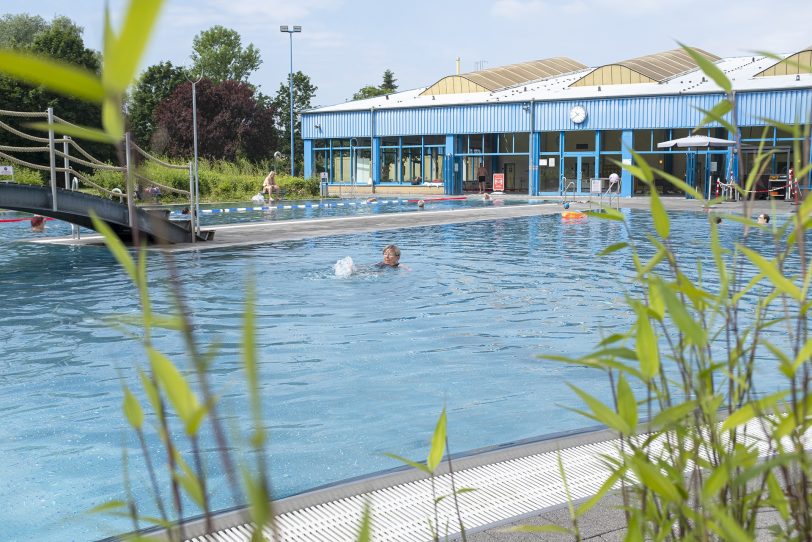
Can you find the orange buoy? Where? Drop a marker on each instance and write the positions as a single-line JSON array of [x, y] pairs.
[[572, 215]]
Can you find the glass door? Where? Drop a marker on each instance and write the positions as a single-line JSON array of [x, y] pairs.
[[578, 170]]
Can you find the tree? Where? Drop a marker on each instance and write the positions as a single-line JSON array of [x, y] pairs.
[[388, 86], [303, 93], [219, 55], [368, 92], [19, 30], [60, 39], [156, 84], [231, 122]]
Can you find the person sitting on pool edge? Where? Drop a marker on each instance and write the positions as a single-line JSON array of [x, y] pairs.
[[763, 218], [391, 257]]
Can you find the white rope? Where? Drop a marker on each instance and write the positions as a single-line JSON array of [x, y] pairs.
[[87, 181], [26, 164], [23, 149], [86, 154], [169, 188], [37, 114], [23, 134], [88, 164], [158, 160]]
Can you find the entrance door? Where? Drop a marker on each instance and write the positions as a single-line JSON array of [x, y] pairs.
[[509, 169], [578, 170]]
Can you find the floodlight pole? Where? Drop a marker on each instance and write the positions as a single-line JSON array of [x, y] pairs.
[[196, 195], [291, 30]]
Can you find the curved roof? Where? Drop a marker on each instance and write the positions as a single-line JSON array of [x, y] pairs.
[[800, 62], [503, 76], [645, 69]]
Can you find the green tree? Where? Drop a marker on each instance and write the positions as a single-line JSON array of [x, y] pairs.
[[219, 55], [18, 30], [303, 93], [156, 84], [388, 86]]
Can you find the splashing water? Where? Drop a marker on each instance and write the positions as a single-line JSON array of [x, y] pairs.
[[344, 267]]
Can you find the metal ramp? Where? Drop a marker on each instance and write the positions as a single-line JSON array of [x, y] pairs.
[[75, 207]]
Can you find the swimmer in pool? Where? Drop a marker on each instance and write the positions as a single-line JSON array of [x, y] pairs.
[[391, 257]]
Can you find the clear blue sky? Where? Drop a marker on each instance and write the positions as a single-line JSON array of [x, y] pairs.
[[346, 44]]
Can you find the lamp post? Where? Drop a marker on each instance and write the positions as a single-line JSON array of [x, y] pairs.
[[196, 196], [291, 30]]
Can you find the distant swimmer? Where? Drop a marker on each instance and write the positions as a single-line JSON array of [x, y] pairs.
[[421, 203], [37, 223], [763, 218], [486, 197]]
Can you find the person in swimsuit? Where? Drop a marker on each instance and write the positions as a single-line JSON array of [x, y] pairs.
[[391, 257], [481, 174]]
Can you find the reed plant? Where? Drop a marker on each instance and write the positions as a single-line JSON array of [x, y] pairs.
[[704, 446]]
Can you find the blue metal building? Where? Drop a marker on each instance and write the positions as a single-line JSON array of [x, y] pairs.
[[552, 125]]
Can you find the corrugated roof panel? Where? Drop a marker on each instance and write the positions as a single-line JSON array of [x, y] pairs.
[[800, 62], [657, 67], [514, 74]]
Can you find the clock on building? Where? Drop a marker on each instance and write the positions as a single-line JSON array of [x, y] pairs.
[[578, 114]]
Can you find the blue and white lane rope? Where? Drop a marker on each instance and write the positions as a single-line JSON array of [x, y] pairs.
[[296, 206]]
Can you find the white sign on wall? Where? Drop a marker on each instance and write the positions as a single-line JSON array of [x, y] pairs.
[[6, 170]]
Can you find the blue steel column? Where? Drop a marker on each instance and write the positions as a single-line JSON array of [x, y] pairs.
[[535, 150], [376, 160], [449, 178], [308, 158], [626, 143], [598, 149]]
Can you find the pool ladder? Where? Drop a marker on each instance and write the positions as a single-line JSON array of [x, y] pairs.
[[567, 186]]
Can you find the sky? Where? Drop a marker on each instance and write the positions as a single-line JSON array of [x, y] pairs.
[[347, 44]]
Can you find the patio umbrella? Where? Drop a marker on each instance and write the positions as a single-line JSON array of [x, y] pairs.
[[695, 141]]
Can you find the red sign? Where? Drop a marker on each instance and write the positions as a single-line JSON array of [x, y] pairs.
[[498, 182]]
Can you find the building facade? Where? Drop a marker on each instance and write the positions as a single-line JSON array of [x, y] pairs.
[[551, 126]]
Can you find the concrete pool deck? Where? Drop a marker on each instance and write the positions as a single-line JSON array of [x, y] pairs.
[[249, 234]]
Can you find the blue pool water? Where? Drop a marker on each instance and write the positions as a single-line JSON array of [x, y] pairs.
[[351, 367]]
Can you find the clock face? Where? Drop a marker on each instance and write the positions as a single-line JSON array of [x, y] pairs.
[[578, 114]]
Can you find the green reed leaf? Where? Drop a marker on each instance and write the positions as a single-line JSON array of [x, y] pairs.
[[777, 499], [127, 49], [60, 77], [414, 464], [645, 172], [437, 443], [626, 402], [772, 272], [717, 114], [661, 223], [648, 351], [656, 303], [674, 414], [603, 413], [177, 389], [607, 213], [78, 132], [731, 530], [651, 476], [115, 246], [112, 118], [804, 354], [680, 185], [258, 502], [365, 528], [714, 483], [752, 409], [132, 410], [108, 506], [190, 483], [693, 331], [616, 472], [710, 69], [613, 248]]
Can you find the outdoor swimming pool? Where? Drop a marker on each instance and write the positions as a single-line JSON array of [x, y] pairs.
[[350, 367]]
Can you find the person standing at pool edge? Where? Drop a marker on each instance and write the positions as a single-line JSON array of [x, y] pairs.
[[481, 174]]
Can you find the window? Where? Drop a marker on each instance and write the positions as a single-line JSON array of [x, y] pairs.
[[579, 141], [550, 142], [612, 141]]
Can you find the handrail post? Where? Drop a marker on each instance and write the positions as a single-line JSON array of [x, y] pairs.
[[66, 150], [52, 156], [130, 188], [192, 207]]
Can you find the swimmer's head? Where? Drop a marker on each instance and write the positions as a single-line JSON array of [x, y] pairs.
[[421, 203], [391, 255]]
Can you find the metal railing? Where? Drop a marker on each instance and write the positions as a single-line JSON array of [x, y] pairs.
[[567, 185]]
